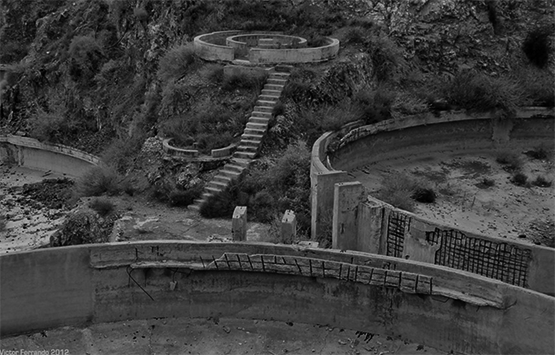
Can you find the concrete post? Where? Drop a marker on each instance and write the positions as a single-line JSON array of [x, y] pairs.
[[369, 221], [288, 227], [346, 198], [239, 224], [322, 185]]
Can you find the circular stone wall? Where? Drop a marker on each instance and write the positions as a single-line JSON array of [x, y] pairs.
[[434, 306], [262, 48]]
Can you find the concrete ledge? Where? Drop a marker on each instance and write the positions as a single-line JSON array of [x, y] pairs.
[[174, 151], [31, 153], [295, 55], [435, 306]]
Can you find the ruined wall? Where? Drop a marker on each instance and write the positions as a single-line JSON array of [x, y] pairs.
[[372, 226], [431, 305], [31, 153]]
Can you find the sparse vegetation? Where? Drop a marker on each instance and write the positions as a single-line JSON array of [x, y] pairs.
[[401, 191], [102, 206], [540, 152], [485, 183], [510, 159], [98, 181], [519, 179], [541, 181], [176, 63]]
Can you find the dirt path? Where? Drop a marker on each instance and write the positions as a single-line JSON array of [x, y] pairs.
[[30, 224], [202, 336], [502, 210]]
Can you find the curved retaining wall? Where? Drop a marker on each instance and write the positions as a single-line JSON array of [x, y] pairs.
[[373, 228], [435, 306], [31, 153], [295, 55], [214, 47]]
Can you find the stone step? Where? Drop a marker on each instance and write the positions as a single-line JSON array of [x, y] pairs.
[[214, 190], [277, 88], [247, 148], [284, 68], [254, 131], [263, 109], [251, 136], [261, 114], [256, 125], [278, 75], [275, 81], [196, 205], [206, 195], [249, 142], [271, 92], [218, 184], [234, 167], [244, 155], [232, 174], [241, 161], [259, 120], [268, 98], [266, 103], [222, 178]]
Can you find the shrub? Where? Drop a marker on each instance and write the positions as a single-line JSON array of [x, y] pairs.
[[244, 81], [208, 141], [537, 85], [220, 205], [539, 152], [279, 109], [472, 90], [387, 58], [98, 181], [183, 198], [375, 106], [262, 206], [324, 237], [519, 179], [213, 73], [102, 206], [176, 63], [424, 195], [485, 183], [401, 191], [86, 58], [541, 181], [355, 35], [511, 160], [120, 150], [537, 46]]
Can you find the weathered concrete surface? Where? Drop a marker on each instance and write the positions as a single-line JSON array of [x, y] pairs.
[[99, 283], [218, 336], [288, 227], [239, 224], [31, 153], [347, 196]]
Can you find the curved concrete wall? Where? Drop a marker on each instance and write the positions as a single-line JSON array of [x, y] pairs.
[[295, 55], [215, 47], [31, 153], [435, 306], [420, 136]]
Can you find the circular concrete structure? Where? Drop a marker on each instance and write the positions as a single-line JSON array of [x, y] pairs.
[[434, 306], [262, 48]]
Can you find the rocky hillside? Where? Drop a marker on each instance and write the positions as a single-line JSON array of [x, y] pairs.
[[106, 75]]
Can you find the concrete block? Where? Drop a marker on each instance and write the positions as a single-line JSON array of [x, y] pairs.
[[347, 196], [239, 224], [288, 227]]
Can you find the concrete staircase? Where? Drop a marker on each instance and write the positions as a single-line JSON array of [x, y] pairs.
[[252, 136]]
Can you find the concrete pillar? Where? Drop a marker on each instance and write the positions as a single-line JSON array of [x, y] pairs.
[[346, 198], [239, 224], [322, 198], [369, 221], [288, 227]]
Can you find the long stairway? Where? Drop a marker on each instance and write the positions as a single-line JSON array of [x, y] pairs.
[[252, 136]]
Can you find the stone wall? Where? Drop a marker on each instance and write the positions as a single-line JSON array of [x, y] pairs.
[[462, 312]]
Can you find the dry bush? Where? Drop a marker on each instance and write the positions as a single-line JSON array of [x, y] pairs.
[[176, 63]]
